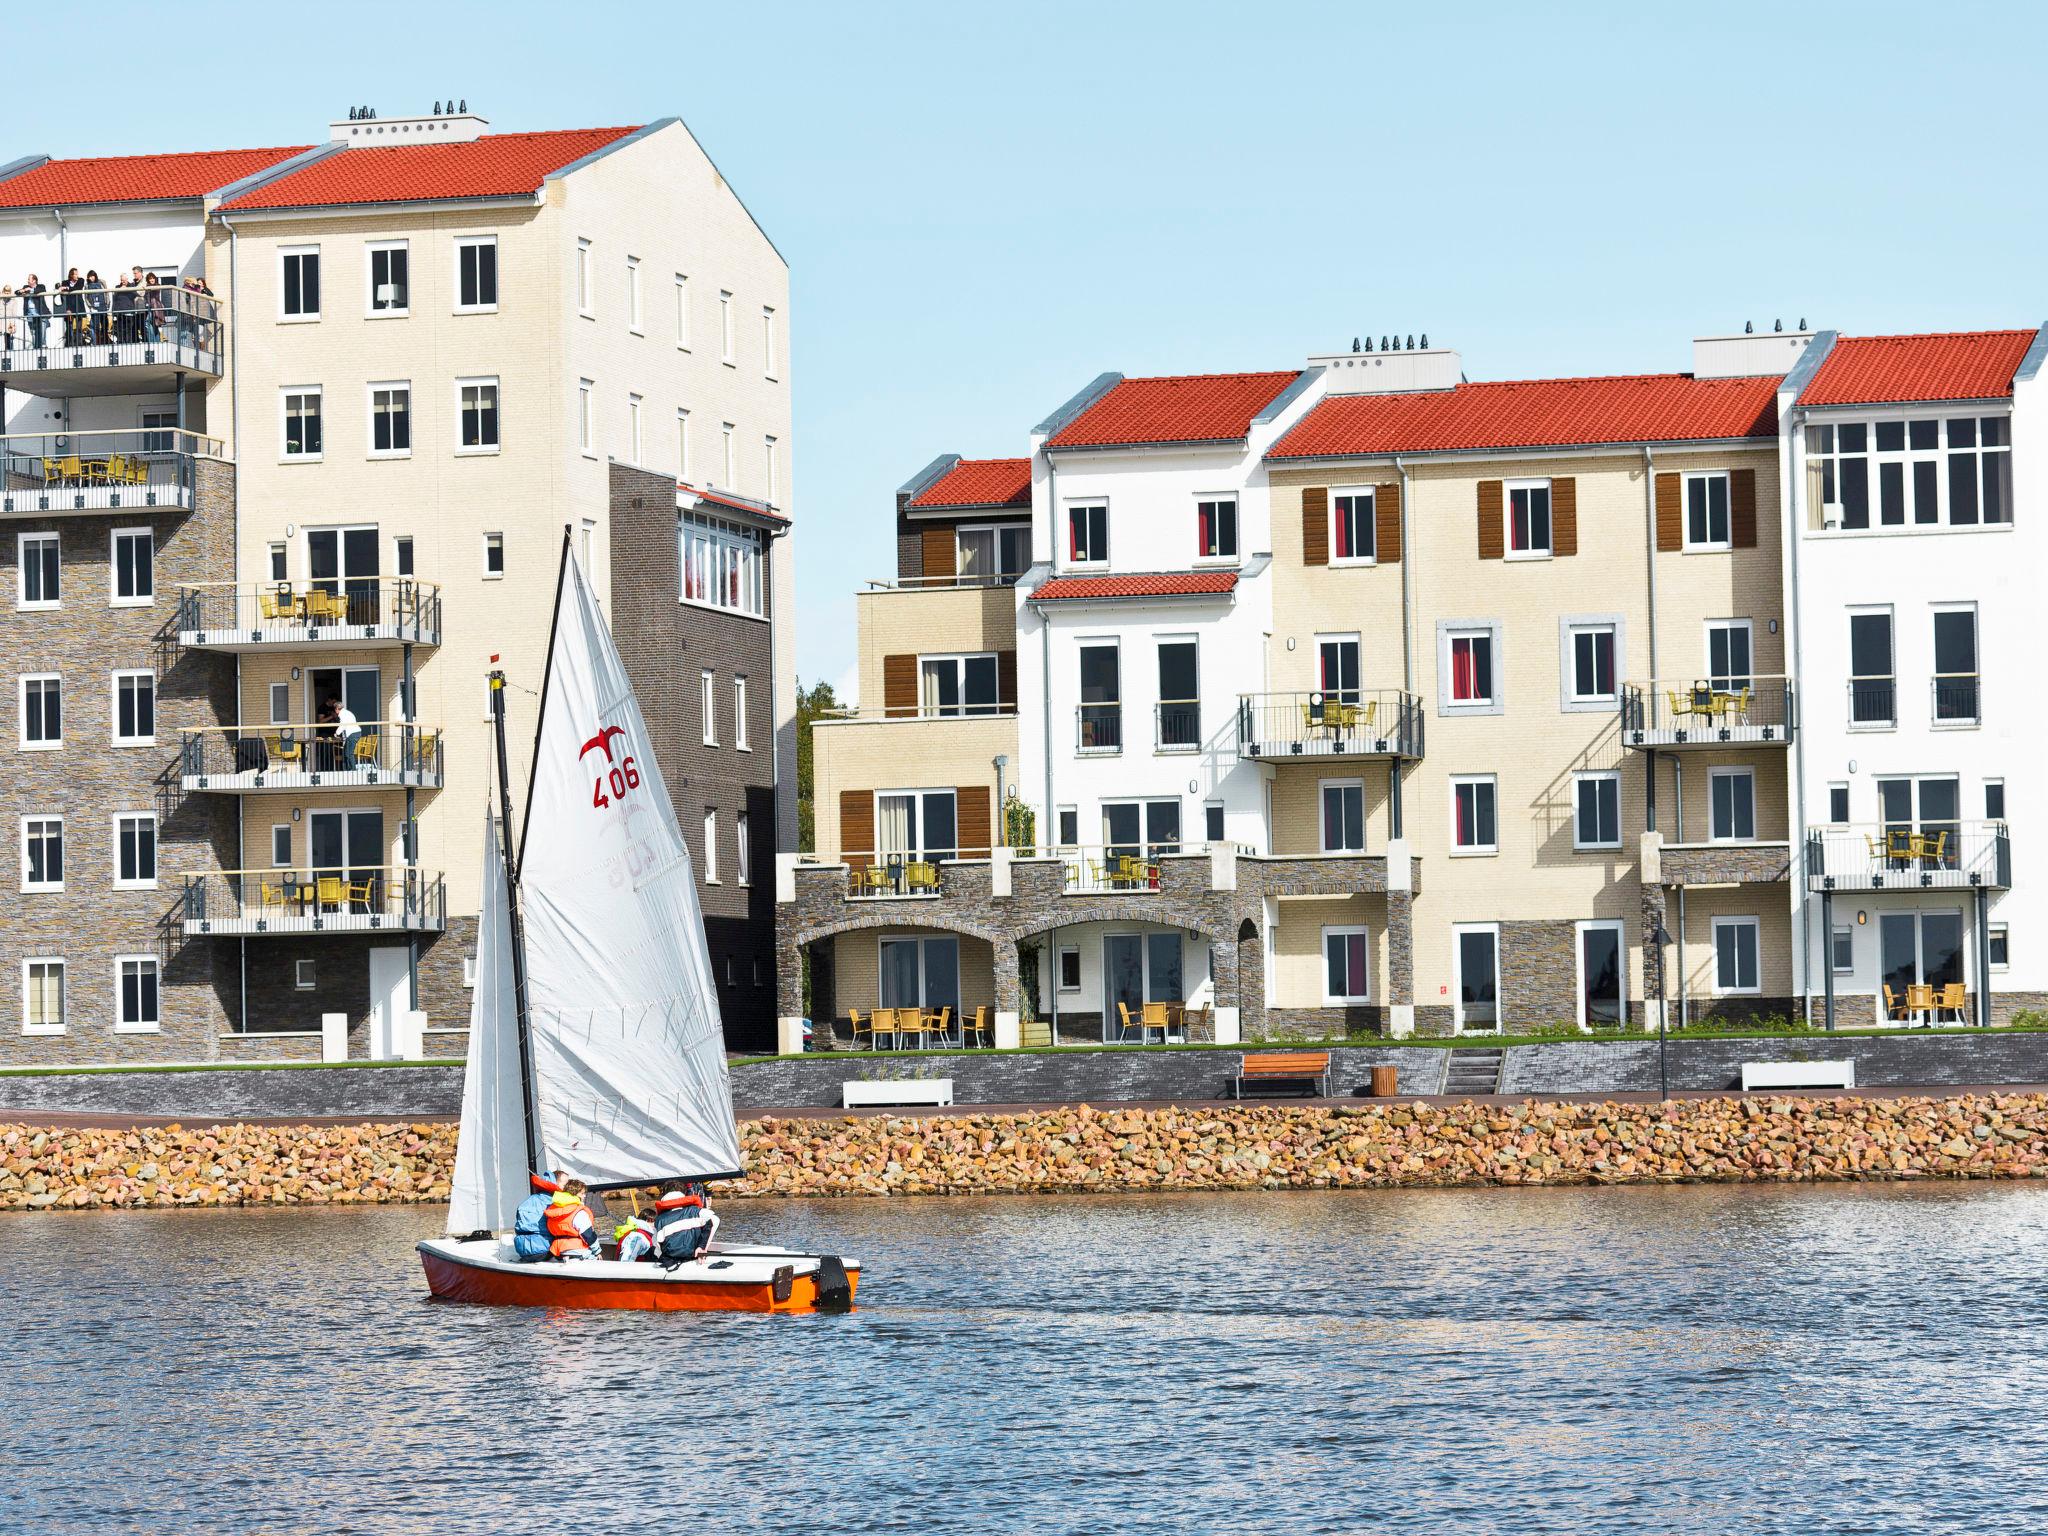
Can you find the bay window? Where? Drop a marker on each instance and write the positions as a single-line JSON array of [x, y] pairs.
[[721, 564]]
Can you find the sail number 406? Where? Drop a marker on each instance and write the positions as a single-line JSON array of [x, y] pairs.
[[623, 777]]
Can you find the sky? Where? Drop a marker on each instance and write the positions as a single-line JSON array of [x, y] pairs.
[[983, 207]]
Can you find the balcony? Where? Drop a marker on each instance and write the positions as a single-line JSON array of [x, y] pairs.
[[1098, 730], [385, 754], [247, 902], [1281, 727], [1899, 857], [1955, 699], [1703, 865], [1674, 713], [140, 350], [52, 473], [352, 612], [1177, 725]]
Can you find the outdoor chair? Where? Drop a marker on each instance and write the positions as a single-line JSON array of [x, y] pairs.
[[975, 1026], [366, 750], [1894, 1005], [921, 876], [862, 1028], [323, 607], [1123, 1014], [285, 747], [1920, 1002], [940, 1024], [883, 1022], [1952, 999]]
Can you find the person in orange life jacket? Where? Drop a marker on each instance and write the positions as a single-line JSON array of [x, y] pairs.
[[635, 1239], [572, 1233], [683, 1225]]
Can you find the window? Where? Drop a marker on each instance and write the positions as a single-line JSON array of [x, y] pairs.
[[38, 570], [476, 274], [768, 453], [133, 559], [633, 294], [743, 852], [1955, 666], [281, 846], [390, 421], [707, 682], [42, 712], [1728, 654], [958, 685], [494, 556], [1212, 821], [682, 444], [299, 292], [1838, 804], [583, 294], [1180, 696], [1999, 947], [1069, 821], [134, 709], [1592, 664], [1101, 714], [1979, 470], [586, 425], [1528, 519], [682, 312], [476, 413], [1735, 955], [389, 290], [916, 824], [1842, 953], [1469, 659], [1343, 815], [1353, 533], [586, 544], [277, 558], [401, 555], [991, 552], [1731, 805], [42, 997], [1931, 806], [1337, 667], [633, 438], [301, 434], [136, 976], [1910, 456], [1140, 828], [725, 327], [1473, 827], [1597, 818], [1216, 528], [1873, 691], [721, 564], [740, 736], [769, 368], [1346, 974], [158, 430], [304, 975], [1994, 799], [1706, 511], [919, 973], [469, 973], [711, 845], [1070, 969], [280, 703], [730, 473], [42, 853], [1088, 534]]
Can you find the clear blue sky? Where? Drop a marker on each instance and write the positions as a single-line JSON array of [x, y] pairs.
[[985, 206]]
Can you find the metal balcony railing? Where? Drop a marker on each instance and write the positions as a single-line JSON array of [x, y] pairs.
[[1956, 698], [1336, 723], [54, 472], [317, 756], [346, 610], [1177, 725], [1873, 701], [1904, 856], [104, 326], [249, 901], [1098, 729], [1708, 711], [1116, 867]]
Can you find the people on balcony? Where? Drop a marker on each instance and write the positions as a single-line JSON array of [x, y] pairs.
[[138, 307]]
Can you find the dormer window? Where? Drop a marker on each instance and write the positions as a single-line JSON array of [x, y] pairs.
[[1088, 534], [1910, 472], [1216, 528]]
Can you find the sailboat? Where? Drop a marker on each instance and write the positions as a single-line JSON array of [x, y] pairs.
[[595, 1045]]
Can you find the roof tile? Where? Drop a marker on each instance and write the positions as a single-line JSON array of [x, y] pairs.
[[736, 503], [137, 178], [495, 165], [1197, 408], [979, 483], [1157, 584], [1961, 365]]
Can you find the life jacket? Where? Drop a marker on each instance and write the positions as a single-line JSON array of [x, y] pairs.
[[636, 1240], [570, 1226], [682, 1228]]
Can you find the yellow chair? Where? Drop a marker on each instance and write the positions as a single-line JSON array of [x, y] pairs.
[[330, 892], [278, 603], [1919, 999], [922, 876], [861, 1027], [323, 607], [1953, 999], [1681, 703], [1123, 1014], [883, 1022], [975, 1026], [1894, 1005], [71, 469], [285, 747], [1933, 849], [366, 750], [940, 1024], [274, 895]]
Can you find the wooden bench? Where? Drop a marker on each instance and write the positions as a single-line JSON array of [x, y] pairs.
[[896, 1090], [1296, 1066], [1798, 1074]]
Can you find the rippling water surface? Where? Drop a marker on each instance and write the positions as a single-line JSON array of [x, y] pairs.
[[1615, 1360]]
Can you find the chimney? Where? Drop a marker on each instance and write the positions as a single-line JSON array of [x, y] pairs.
[[1750, 355], [1398, 368], [364, 129]]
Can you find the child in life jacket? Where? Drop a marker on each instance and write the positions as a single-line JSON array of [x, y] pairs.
[[572, 1232], [683, 1226], [635, 1239]]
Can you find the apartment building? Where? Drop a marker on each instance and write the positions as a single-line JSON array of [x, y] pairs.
[[436, 354]]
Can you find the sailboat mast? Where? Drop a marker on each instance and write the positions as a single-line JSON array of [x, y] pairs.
[[518, 931]]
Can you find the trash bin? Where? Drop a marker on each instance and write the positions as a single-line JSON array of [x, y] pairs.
[[1386, 1082]]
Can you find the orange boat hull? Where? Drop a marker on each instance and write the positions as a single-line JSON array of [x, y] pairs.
[[561, 1286]]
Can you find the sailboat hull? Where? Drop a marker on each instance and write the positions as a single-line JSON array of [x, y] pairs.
[[483, 1272]]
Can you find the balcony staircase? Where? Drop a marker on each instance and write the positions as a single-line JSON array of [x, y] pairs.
[[1476, 1070]]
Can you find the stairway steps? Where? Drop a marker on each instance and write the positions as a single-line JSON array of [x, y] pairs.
[[1475, 1071]]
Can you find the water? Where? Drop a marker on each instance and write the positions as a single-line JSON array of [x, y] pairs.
[[1617, 1360]]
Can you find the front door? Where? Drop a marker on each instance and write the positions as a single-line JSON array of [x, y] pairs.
[[1478, 979], [1918, 948], [390, 1003], [1123, 981], [1600, 975]]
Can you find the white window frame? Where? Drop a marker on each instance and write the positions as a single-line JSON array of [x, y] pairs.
[[1999, 785], [114, 538], [728, 453], [1580, 929], [1217, 807], [723, 550], [740, 739], [285, 395], [743, 852], [22, 542], [1448, 633], [1061, 814], [683, 442], [1998, 935], [1345, 931], [1831, 819], [30, 962], [771, 369], [279, 555], [1709, 545], [586, 299], [370, 393], [1323, 786], [1755, 927], [305, 974], [1372, 527], [43, 818], [1096, 561], [1236, 554], [480, 381], [682, 311], [1731, 676], [586, 417], [490, 536], [768, 452], [370, 310], [1890, 615], [1714, 776], [1974, 720], [711, 845], [635, 438], [1475, 850], [21, 712], [708, 682], [725, 333], [1842, 931], [1507, 512], [633, 316], [469, 242], [1594, 776], [286, 253], [123, 1026], [286, 828], [115, 679], [280, 712], [959, 660], [1499, 1025], [1574, 698]]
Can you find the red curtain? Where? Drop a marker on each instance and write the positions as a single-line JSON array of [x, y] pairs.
[[1344, 528], [1202, 545], [1462, 799], [1463, 680]]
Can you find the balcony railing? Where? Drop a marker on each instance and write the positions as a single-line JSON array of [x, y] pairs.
[[944, 583], [380, 753], [55, 472], [1339, 723], [347, 611], [1115, 868], [1873, 702], [899, 876], [1098, 729], [1898, 856], [1708, 712], [1956, 698], [55, 338], [1177, 725], [252, 901]]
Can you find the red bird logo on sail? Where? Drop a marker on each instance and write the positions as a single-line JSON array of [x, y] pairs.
[[602, 739]]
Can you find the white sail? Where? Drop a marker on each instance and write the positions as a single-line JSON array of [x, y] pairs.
[[627, 1048], [490, 1156]]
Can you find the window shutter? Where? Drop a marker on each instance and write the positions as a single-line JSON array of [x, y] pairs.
[[1564, 516], [1006, 680], [938, 551], [1315, 525], [1742, 508], [899, 685], [857, 826], [1670, 515], [1386, 512], [971, 820], [1492, 541]]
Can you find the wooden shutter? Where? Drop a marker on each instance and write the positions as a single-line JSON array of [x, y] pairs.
[[1315, 525], [1006, 680], [899, 685], [970, 820], [1386, 511], [1492, 544], [857, 827], [1670, 515], [1742, 508], [938, 551], [1564, 516]]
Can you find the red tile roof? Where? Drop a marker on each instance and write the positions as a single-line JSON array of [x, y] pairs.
[[1963, 365], [737, 503], [1200, 408], [980, 483], [495, 165], [1164, 584], [1537, 413], [137, 178]]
